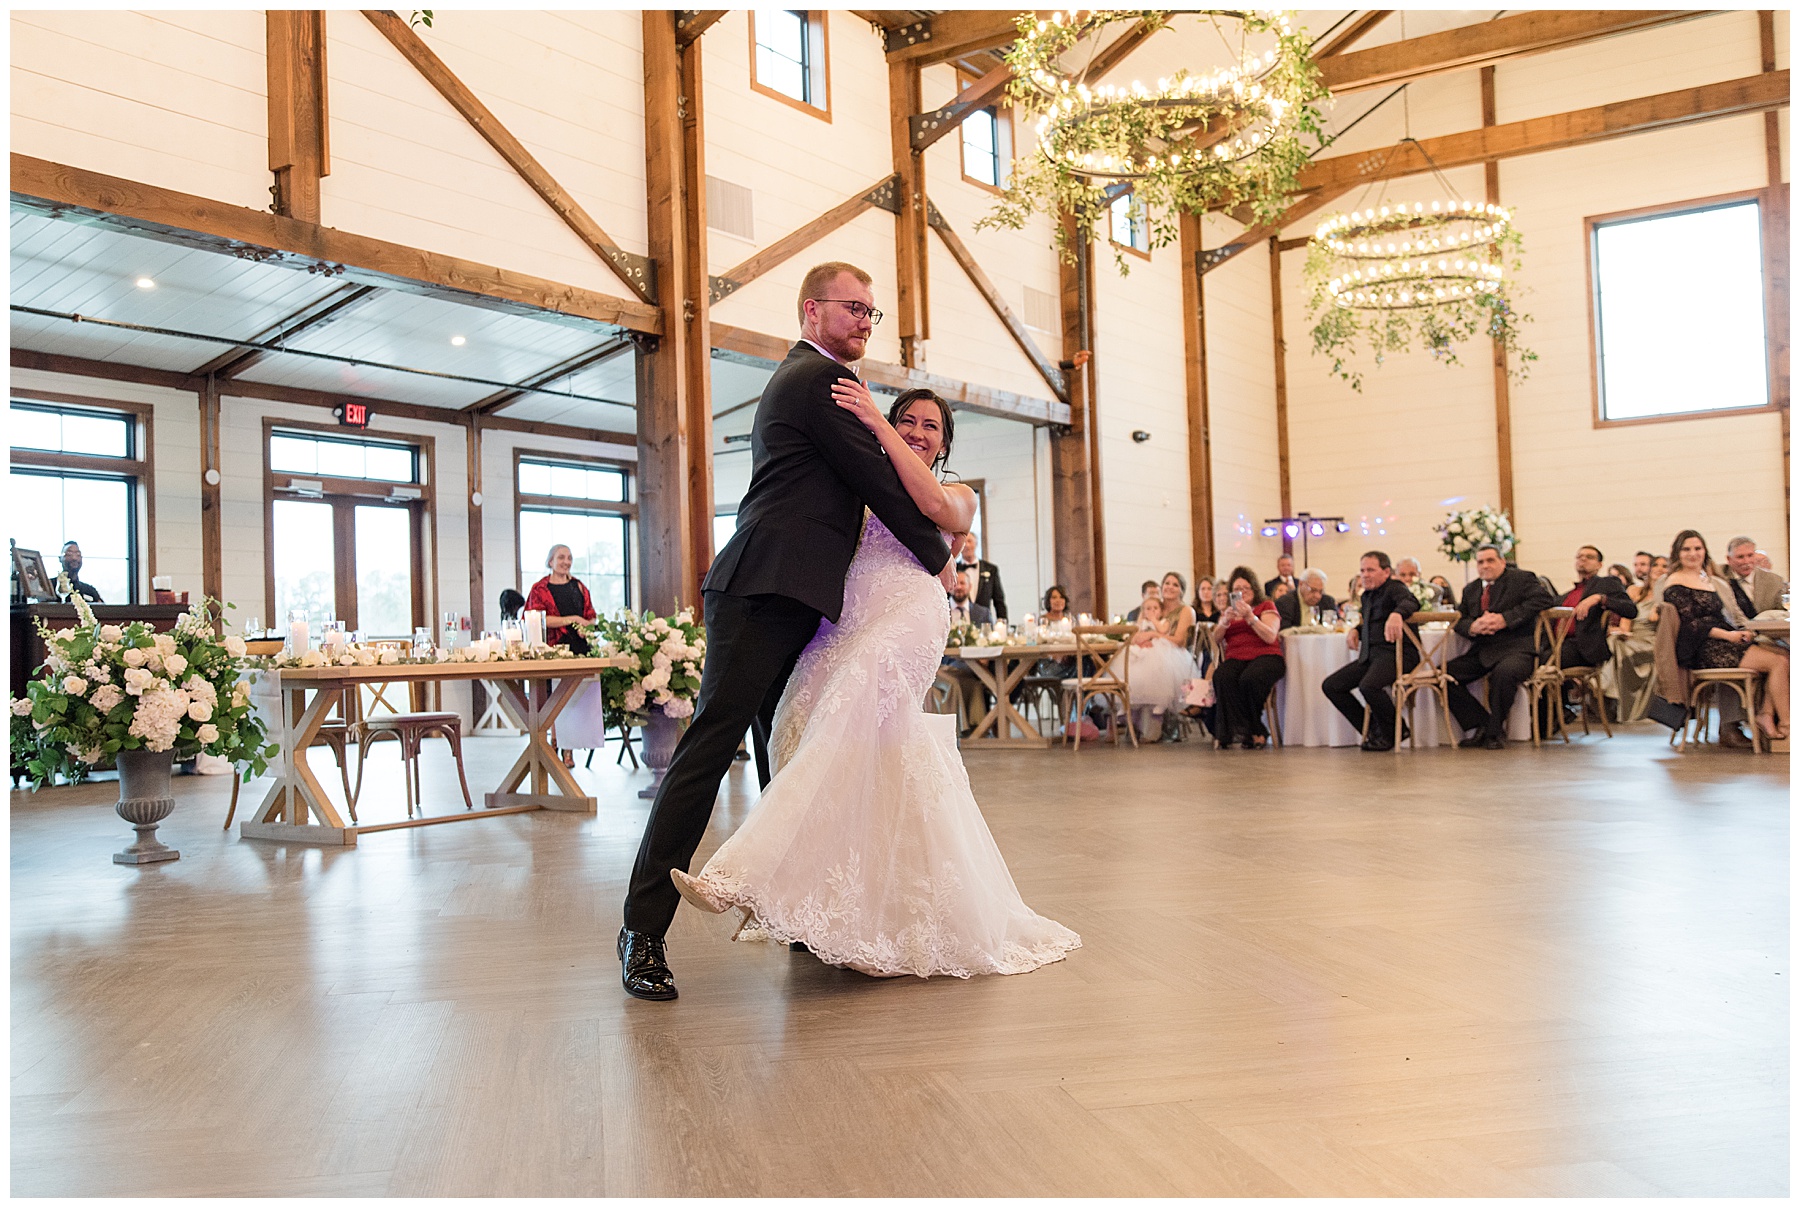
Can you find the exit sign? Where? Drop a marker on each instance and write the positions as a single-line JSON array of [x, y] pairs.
[[354, 415]]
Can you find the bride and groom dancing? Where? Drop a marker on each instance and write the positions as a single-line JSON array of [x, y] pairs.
[[826, 620]]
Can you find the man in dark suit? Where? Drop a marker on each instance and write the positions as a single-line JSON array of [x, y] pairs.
[[988, 592], [1593, 596], [1146, 589], [814, 468], [1499, 616], [1284, 573], [1385, 606], [1303, 605]]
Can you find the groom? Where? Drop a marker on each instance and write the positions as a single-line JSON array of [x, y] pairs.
[[815, 467]]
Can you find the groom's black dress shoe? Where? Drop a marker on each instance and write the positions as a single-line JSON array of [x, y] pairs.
[[643, 968]]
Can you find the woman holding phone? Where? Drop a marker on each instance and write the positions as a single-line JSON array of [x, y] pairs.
[[1250, 661]]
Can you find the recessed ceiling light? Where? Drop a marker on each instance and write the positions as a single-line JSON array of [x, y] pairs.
[[458, 341], [145, 283]]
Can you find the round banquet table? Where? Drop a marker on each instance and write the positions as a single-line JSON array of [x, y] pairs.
[[1309, 720]]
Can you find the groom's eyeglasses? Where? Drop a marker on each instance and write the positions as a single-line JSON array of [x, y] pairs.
[[858, 310]]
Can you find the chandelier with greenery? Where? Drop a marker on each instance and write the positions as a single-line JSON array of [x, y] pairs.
[[1192, 142], [1389, 273]]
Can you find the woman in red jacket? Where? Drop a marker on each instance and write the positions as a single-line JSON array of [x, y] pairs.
[[564, 600]]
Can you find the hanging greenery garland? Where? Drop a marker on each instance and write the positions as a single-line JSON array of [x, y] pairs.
[[1193, 142]]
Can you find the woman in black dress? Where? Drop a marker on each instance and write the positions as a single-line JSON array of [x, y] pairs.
[[564, 600], [1707, 638]]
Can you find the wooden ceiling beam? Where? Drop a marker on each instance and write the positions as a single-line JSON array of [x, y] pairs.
[[75, 194], [927, 128], [949, 35], [880, 195], [567, 367], [631, 268], [1472, 46], [326, 310], [1664, 111], [691, 23], [57, 362], [299, 128], [990, 293], [1115, 52], [1300, 207], [1341, 41]]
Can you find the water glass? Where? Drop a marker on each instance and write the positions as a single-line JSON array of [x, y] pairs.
[[422, 642], [1329, 617], [254, 628]]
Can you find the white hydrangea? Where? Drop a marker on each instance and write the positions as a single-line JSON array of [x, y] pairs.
[[22, 707], [158, 718], [106, 697], [165, 643], [679, 708]]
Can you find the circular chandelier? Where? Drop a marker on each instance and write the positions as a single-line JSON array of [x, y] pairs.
[[1402, 258], [1192, 141]]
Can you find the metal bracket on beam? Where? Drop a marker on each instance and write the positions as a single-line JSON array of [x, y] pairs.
[[639, 270], [721, 287], [906, 35], [934, 218], [886, 195], [1213, 257], [685, 18], [921, 125]]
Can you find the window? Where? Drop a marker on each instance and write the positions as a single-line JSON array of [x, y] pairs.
[[347, 530], [788, 52], [1679, 324], [986, 144], [76, 476], [585, 505], [1129, 229]]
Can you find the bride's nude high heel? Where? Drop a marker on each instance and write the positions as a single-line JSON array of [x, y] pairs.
[[694, 893]]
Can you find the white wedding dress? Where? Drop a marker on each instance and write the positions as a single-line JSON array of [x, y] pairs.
[[868, 846]]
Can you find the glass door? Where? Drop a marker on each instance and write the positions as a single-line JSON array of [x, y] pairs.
[[305, 560], [384, 571]]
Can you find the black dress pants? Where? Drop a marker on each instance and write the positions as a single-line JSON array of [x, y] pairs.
[[1503, 678], [752, 644], [1372, 677], [1240, 687]]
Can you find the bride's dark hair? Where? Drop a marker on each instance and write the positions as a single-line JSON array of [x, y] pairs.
[[907, 399]]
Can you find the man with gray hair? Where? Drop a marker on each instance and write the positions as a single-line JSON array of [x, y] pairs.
[[1304, 604], [1753, 590], [1499, 619]]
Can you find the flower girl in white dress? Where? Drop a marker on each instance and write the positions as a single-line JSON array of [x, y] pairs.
[[867, 846]]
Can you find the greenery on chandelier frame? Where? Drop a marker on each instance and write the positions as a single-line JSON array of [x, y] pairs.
[[1439, 325], [1195, 142]]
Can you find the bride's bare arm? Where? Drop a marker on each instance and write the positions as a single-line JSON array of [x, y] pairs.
[[950, 506]]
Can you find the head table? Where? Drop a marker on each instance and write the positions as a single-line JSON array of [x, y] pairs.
[[297, 809], [1000, 670]]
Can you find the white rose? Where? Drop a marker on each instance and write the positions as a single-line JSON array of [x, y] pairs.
[[138, 680], [311, 658], [234, 646], [165, 643], [346, 659], [207, 734], [74, 685], [110, 633], [135, 657], [22, 707], [389, 656], [65, 635], [199, 711], [175, 664]]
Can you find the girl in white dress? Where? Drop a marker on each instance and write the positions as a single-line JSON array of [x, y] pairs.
[[1159, 657], [867, 846]]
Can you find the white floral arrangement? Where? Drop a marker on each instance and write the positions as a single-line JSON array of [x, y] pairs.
[[669, 654], [379, 654], [1464, 532], [110, 688]]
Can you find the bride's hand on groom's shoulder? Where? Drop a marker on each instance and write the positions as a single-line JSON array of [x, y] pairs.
[[855, 398]]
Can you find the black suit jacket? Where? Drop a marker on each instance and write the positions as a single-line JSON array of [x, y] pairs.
[[1590, 632], [979, 614], [1288, 608], [1269, 587], [988, 592], [813, 469], [1377, 606], [1518, 596]]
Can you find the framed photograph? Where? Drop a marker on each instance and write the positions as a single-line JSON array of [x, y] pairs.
[[34, 579]]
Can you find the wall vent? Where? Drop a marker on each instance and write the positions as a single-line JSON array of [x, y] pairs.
[[1042, 311], [728, 208]]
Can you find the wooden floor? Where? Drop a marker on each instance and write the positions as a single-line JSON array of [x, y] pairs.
[[1317, 972]]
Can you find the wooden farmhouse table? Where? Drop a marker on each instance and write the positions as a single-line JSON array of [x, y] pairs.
[[1000, 670], [297, 809]]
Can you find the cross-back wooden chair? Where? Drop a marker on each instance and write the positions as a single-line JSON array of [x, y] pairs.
[[1427, 678], [1111, 677], [1547, 677]]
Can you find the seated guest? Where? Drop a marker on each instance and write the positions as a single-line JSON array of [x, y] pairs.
[[1304, 605], [1250, 662], [1754, 590], [1056, 606], [1284, 573], [1628, 679], [1385, 604], [1206, 600], [1593, 597], [71, 566], [511, 604], [1446, 593], [1499, 616], [1280, 590], [1146, 589], [1159, 664], [988, 592], [1178, 618], [1641, 564], [963, 608], [1409, 572], [1710, 634], [1622, 573]]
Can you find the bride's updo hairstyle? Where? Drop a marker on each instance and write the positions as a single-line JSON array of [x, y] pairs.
[[907, 399]]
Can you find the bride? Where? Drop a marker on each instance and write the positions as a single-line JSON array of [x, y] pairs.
[[867, 846]]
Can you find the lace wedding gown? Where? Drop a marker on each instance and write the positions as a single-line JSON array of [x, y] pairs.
[[868, 846]]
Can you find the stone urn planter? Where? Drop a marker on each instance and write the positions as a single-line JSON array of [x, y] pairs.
[[144, 801], [660, 734]]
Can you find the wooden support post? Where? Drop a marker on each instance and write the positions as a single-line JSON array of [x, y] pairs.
[[1281, 399], [477, 561], [212, 529], [696, 317], [1199, 416], [1502, 385], [1776, 229], [667, 565], [1074, 451], [299, 143], [909, 229]]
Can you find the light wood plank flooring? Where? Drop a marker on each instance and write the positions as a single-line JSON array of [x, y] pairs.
[[1310, 972]]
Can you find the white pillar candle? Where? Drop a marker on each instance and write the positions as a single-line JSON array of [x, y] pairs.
[[513, 635], [534, 626], [298, 637]]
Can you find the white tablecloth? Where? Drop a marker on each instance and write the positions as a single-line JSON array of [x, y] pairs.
[[1309, 720]]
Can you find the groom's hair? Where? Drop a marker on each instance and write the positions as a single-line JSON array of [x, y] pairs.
[[821, 277]]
